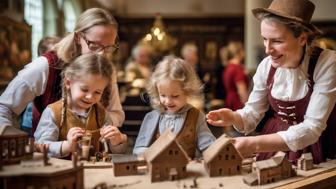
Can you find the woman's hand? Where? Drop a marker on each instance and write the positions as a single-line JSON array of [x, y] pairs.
[[113, 134], [221, 117], [246, 146]]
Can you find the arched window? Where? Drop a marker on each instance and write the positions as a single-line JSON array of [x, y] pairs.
[[69, 16], [33, 15]]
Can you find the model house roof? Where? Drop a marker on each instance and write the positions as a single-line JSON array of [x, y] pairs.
[[125, 158], [11, 131], [216, 147], [164, 141], [276, 160], [307, 156]]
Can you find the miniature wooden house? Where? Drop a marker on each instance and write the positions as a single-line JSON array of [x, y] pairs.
[[166, 159], [305, 162], [271, 170], [221, 158], [14, 145], [35, 174], [124, 165]]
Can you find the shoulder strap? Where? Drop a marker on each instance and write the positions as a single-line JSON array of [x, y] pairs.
[[270, 75], [312, 62]]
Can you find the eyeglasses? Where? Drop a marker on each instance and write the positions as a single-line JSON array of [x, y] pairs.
[[95, 47]]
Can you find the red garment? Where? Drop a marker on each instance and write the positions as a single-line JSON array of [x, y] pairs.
[[53, 90], [292, 113], [232, 74]]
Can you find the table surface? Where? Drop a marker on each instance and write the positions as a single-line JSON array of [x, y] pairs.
[[322, 176]]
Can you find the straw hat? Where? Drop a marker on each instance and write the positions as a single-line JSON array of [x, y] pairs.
[[296, 10]]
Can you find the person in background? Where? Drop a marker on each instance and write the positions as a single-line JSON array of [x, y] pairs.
[[172, 84], [140, 67], [86, 90], [95, 32], [189, 53], [295, 83], [234, 76], [45, 44]]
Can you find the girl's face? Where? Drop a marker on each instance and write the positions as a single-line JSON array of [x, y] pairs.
[[98, 39], [171, 94], [285, 50], [85, 92]]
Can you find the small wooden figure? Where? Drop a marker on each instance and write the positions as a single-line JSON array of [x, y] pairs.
[[271, 170], [166, 159], [45, 156], [305, 162], [221, 158], [124, 165], [13, 144]]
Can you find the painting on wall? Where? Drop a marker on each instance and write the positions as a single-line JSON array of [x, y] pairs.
[[15, 48]]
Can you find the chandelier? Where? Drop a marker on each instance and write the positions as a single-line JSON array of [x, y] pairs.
[[158, 38]]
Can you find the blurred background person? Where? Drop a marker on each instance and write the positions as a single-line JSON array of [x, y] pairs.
[[139, 68], [235, 78]]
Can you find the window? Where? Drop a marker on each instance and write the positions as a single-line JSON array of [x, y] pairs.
[[69, 16], [33, 15]]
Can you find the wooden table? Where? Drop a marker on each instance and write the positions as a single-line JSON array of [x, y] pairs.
[[323, 176]]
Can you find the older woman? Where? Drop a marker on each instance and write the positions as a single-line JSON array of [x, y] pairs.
[[296, 83]]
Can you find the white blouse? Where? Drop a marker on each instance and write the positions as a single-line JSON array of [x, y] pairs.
[[32, 81], [291, 84]]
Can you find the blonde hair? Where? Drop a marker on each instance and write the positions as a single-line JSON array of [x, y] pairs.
[[67, 49], [231, 50], [174, 69], [82, 66]]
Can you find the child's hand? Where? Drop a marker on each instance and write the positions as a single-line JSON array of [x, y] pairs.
[[221, 117], [41, 147], [113, 133], [73, 134]]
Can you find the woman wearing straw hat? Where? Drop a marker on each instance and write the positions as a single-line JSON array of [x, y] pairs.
[[295, 84]]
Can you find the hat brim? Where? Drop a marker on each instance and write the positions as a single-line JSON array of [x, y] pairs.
[[257, 12]]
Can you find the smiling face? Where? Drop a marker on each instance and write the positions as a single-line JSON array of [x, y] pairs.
[[285, 49], [85, 92], [171, 94]]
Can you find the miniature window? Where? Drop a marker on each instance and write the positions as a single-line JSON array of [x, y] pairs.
[[176, 152], [238, 168], [127, 167], [135, 167], [220, 171], [219, 157], [170, 152], [184, 168], [227, 148], [226, 157]]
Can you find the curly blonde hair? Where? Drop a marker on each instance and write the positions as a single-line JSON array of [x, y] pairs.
[[174, 69], [82, 66]]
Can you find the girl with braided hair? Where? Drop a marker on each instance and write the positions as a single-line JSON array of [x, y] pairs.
[[85, 96]]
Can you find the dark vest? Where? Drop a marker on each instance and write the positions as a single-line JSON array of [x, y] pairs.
[[94, 122], [187, 137], [53, 90]]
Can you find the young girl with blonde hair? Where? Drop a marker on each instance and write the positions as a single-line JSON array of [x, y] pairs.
[[86, 91], [173, 83]]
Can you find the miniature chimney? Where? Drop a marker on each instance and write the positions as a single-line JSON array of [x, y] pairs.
[[45, 155]]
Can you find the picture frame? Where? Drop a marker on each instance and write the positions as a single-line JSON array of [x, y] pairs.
[[15, 48]]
